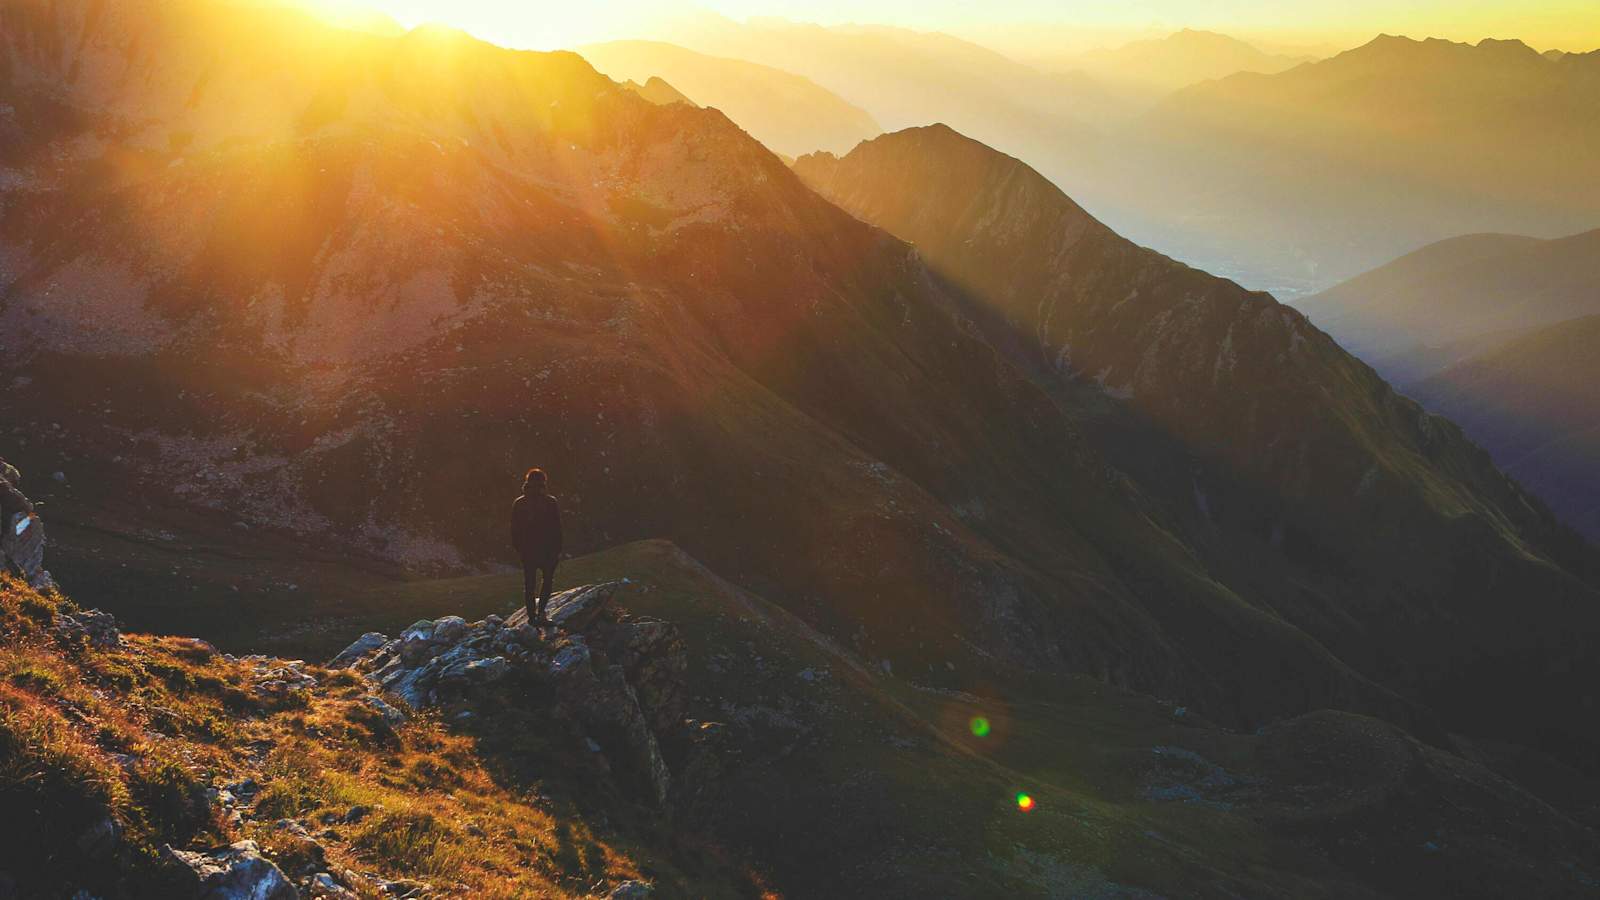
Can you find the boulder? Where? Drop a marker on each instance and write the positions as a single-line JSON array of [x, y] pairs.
[[323, 885], [449, 629], [417, 647], [488, 671], [235, 872], [390, 713], [632, 890], [697, 781], [573, 610], [570, 664], [610, 709], [657, 663], [468, 670], [98, 629], [22, 546], [367, 643]]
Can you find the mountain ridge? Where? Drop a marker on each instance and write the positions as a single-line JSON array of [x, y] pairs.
[[650, 304], [1040, 276], [789, 113]]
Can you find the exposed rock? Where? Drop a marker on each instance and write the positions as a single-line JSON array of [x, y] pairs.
[[570, 663], [449, 629], [362, 646], [699, 772], [235, 872], [97, 628], [656, 662], [391, 714], [407, 888], [632, 890], [624, 681], [323, 885], [573, 610], [23, 550], [609, 706], [356, 814]]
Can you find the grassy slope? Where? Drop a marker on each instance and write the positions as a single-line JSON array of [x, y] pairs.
[[137, 734], [885, 781], [852, 781]]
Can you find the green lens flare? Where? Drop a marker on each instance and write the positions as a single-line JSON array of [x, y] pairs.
[[1024, 802], [980, 726]]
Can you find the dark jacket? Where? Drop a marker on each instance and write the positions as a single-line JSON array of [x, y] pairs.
[[536, 527]]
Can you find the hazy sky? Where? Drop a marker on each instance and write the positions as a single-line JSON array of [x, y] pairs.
[[1562, 24]]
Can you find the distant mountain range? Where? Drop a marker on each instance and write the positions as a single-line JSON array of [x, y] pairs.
[[1450, 300], [1288, 177], [1315, 174], [906, 78], [657, 90], [1497, 332], [1158, 66], [789, 113]]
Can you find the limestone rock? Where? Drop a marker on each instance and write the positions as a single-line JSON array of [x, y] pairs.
[[572, 610], [657, 663], [449, 629], [235, 872], [97, 628], [610, 708], [362, 646], [632, 890]]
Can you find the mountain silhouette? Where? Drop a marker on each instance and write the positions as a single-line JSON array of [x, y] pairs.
[[907, 78], [1315, 174], [1158, 66], [790, 114], [1449, 300]]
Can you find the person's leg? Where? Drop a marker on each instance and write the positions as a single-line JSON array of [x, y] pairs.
[[530, 585], [549, 570]]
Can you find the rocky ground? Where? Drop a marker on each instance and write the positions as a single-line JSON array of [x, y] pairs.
[[207, 775]]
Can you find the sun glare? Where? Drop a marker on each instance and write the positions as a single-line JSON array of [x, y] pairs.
[[512, 24]]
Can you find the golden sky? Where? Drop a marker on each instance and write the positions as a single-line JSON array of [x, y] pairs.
[[1545, 24]]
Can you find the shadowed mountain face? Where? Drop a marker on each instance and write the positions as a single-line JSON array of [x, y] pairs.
[[1331, 168], [788, 113], [1452, 300], [421, 264], [1285, 441], [1534, 402]]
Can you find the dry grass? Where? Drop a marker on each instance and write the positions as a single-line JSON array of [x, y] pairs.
[[138, 734]]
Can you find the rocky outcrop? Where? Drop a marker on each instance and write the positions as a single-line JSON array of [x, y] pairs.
[[234, 872], [91, 626], [620, 679], [21, 536]]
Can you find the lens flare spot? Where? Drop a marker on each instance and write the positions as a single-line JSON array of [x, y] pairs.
[[1024, 803], [980, 726]]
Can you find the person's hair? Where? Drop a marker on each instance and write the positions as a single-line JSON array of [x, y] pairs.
[[535, 476]]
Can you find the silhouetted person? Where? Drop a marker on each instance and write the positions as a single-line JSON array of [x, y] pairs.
[[536, 533]]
